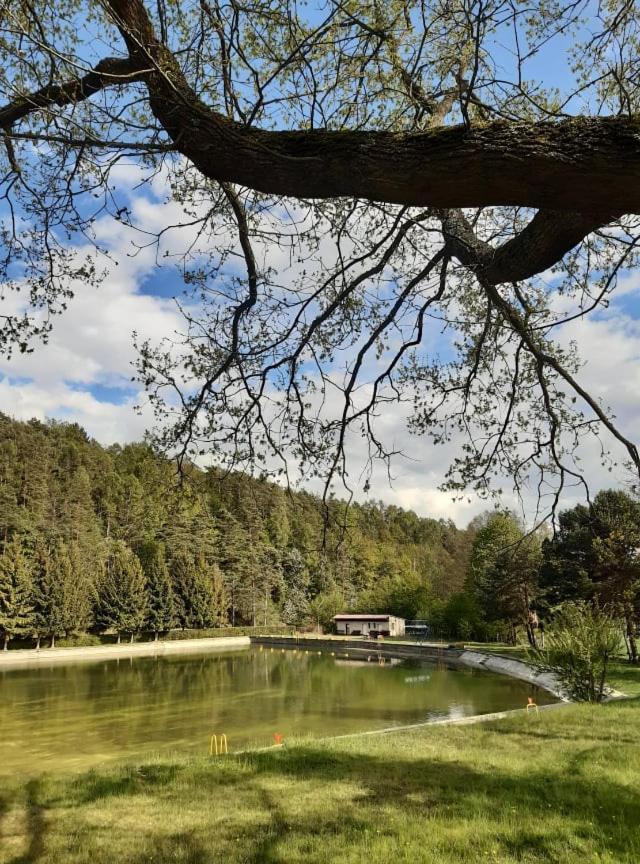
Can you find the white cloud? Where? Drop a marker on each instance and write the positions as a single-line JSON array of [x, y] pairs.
[[103, 421]]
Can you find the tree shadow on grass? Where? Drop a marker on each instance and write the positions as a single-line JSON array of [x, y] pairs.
[[450, 789], [259, 811], [36, 827], [180, 848], [95, 785]]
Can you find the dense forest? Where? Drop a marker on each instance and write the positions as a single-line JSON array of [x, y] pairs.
[[113, 540]]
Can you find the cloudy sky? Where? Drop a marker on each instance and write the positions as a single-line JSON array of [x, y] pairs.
[[84, 373]]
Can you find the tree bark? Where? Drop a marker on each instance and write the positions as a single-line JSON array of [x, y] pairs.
[[531, 636], [631, 640], [584, 165]]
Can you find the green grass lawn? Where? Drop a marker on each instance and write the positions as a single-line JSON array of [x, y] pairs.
[[564, 787]]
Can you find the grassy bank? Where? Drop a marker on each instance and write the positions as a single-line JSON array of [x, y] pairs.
[[561, 788]]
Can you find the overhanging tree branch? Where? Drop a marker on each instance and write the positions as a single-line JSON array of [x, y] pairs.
[[585, 165], [108, 72]]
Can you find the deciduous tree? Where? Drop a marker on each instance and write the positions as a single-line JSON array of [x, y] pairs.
[[415, 173]]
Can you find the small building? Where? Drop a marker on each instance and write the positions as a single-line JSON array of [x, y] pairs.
[[369, 625]]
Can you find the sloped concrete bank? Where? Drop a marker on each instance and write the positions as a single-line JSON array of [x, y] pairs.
[[426, 651], [48, 656]]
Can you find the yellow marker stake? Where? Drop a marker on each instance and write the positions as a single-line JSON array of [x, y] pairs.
[[218, 749]]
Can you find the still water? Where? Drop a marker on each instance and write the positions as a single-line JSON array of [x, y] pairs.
[[77, 716]]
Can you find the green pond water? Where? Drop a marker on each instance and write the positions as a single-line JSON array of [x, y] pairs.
[[74, 717]]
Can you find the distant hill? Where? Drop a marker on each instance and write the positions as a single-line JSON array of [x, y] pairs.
[[70, 506]]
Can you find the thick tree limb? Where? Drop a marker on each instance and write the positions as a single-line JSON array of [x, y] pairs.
[[544, 241], [547, 238], [585, 165]]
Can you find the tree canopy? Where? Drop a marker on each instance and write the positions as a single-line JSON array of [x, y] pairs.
[[114, 541], [419, 198]]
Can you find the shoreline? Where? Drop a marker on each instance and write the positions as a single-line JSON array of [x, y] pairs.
[[433, 652], [29, 658], [24, 658]]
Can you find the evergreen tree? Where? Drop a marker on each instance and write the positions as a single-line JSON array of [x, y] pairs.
[[595, 556], [220, 596], [16, 601], [11, 515], [234, 548], [81, 587], [278, 527], [504, 570], [161, 612], [295, 578], [121, 601], [194, 591], [61, 593], [50, 580]]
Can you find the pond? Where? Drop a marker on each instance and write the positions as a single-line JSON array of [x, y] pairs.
[[76, 716]]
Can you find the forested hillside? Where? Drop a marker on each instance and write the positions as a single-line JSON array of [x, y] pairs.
[[96, 539]]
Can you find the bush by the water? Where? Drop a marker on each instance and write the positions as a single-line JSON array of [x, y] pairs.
[[583, 641]]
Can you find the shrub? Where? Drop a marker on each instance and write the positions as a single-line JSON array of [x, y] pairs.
[[579, 646]]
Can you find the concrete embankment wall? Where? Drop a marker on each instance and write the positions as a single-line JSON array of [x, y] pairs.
[[431, 652], [49, 656]]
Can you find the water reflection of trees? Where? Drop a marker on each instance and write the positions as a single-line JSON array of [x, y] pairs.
[[145, 704]]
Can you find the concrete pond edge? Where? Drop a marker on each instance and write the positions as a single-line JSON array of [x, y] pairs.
[[25, 658], [433, 652]]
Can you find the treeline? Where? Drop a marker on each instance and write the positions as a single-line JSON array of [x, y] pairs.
[[97, 539], [517, 582]]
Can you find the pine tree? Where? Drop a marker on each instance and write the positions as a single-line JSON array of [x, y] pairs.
[[61, 594], [220, 595], [49, 592], [193, 588], [81, 587], [278, 527], [122, 601], [295, 607], [161, 611], [16, 602], [10, 511], [234, 550]]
